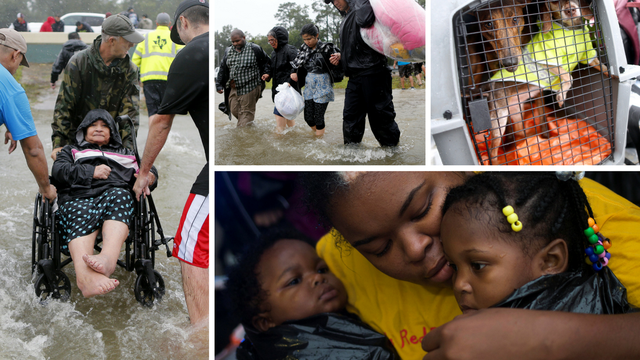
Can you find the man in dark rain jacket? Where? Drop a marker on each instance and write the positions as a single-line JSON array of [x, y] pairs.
[[369, 88], [70, 48]]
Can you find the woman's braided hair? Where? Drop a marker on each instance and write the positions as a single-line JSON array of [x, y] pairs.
[[549, 209]]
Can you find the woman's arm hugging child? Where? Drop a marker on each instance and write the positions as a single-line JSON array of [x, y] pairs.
[[528, 240], [284, 293]]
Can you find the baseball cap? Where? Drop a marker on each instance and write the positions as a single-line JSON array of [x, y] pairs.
[[163, 19], [13, 39], [120, 25], [175, 37]]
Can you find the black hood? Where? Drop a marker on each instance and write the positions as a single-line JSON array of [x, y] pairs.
[[74, 45], [330, 2], [282, 35], [93, 116]]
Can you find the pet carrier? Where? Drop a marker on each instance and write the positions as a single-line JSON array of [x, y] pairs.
[[517, 82]]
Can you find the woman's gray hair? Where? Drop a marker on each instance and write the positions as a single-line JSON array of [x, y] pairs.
[[271, 33]]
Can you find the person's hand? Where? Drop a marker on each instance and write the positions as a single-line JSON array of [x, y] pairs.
[[142, 184], [265, 77], [220, 91], [488, 334], [335, 58], [50, 193], [294, 77], [54, 153], [7, 138], [101, 172], [53, 85]]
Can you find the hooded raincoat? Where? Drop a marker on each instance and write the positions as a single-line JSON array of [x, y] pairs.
[[69, 49], [281, 58], [46, 26]]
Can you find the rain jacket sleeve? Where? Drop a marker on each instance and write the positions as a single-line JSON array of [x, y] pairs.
[[66, 171], [364, 13]]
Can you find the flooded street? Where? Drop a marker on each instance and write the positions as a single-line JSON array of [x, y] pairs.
[[260, 145], [112, 326]]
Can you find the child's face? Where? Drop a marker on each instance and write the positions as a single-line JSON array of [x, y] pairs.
[[487, 268], [298, 283], [393, 220], [310, 40]]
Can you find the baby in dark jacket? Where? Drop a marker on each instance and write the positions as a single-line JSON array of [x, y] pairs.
[[292, 306]]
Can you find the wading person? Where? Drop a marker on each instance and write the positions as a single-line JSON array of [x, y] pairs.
[[280, 71], [154, 57], [102, 77], [369, 88], [187, 91], [15, 112], [70, 48], [240, 76]]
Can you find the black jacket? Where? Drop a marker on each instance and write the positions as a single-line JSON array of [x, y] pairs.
[[589, 293], [17, 26], [72, 172], [281, 58], [68, 49], [357, 57], [330, 336], [85, 27], [58, 26]]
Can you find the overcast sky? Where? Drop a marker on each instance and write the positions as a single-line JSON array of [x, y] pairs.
[[252, 16]]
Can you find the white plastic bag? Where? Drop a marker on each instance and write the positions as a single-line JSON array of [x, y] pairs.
[[288, 101]]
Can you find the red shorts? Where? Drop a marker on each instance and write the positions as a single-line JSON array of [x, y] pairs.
[[191, 243]]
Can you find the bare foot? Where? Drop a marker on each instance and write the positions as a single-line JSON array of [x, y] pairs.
[[96, 284], [99, 264]]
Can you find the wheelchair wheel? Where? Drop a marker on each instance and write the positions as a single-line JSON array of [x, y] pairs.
[[144, 291], [59, 289]]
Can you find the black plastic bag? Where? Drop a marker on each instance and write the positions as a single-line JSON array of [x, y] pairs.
[[325, 336], [592, 293]]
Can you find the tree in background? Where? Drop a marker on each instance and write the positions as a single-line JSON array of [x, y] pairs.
[[292, 17], [328, 22]]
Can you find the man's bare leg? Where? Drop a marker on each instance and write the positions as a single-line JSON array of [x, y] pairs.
[[195, 283], [89, 282], [114, 233]]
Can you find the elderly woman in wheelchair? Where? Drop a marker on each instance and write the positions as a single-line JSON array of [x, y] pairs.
[[93, 178]]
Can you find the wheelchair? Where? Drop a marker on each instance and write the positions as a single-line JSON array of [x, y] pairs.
[[140, 246]]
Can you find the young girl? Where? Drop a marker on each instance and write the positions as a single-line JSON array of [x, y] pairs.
[[292, 306], [520, 240], [313, 59]]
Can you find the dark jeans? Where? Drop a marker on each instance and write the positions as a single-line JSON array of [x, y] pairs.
[[370, 95], [153, 94]]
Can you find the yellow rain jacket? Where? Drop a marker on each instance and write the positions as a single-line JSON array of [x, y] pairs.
[[558, 47], [155, 54]]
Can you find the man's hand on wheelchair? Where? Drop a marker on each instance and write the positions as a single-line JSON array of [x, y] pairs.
[[142, 184], [50, 193]]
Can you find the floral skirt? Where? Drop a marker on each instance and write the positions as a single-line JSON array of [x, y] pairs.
[[318, 88]]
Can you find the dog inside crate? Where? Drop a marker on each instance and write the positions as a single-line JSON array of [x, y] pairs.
[[534, 82]]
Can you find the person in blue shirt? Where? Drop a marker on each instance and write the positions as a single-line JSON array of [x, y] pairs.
[[15, 112]]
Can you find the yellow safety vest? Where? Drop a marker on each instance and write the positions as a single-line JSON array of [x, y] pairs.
[[155, 54]]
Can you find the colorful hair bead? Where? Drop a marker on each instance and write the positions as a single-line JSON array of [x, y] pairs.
[[597, 254], [591, 222]]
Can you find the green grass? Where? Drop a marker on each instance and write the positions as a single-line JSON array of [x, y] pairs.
[[395, 83]]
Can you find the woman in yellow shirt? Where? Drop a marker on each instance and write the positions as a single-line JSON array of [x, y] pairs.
[[398, 282]]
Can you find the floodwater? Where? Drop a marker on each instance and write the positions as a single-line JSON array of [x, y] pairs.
[[261, 145], [112, 326]]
